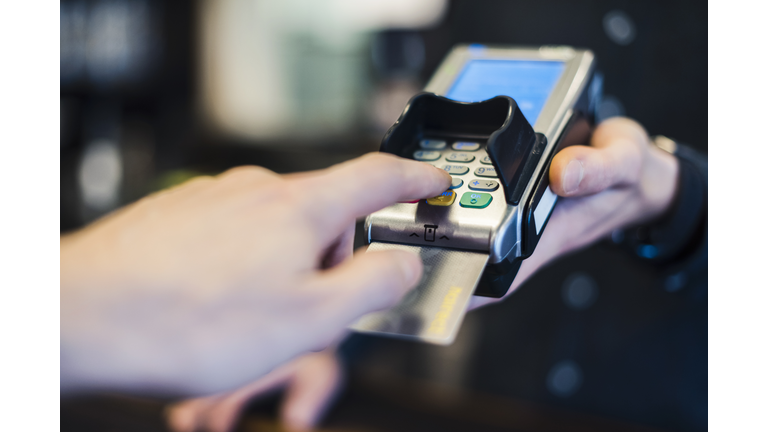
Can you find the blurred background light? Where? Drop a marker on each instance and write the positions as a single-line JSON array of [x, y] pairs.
[[107, 41], [299, 68], [579, 291], [564, 378], [619, 27], [100, 175]]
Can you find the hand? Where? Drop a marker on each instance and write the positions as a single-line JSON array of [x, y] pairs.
[[621, 180], [212, 284], [312, 382]]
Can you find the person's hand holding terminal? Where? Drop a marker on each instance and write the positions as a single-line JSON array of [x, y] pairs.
[[620, 179], [214, 283]]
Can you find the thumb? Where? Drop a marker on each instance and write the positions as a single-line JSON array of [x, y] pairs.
[[370, 281], [318, 378], [614, 160]]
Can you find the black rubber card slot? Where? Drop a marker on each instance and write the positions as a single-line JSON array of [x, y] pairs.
[[512, 145]]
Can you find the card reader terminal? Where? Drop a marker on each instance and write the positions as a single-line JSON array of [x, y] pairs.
[[493, 118]]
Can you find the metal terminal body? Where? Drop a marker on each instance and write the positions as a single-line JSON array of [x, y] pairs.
[[497, 229], [473, 238]]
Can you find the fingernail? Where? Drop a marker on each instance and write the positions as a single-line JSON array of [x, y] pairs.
[[574, 173]]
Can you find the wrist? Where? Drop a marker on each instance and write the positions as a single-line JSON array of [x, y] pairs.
[[659, 183], [669, 233]]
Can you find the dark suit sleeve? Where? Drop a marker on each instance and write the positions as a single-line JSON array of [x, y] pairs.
[[677, 242]]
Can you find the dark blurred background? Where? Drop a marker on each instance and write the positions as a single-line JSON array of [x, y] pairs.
[[156, 92]]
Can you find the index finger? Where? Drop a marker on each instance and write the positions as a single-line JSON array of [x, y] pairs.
[[347, 191]]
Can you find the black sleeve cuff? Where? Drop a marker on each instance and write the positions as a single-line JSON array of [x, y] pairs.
[[680, 232]]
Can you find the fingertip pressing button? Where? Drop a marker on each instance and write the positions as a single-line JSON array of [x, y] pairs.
[[444, 199]]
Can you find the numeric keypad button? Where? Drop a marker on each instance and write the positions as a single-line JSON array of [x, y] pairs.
[[466, 146], [426, 155], [456, 169], [432, 144], [459, 157], [488, 171]]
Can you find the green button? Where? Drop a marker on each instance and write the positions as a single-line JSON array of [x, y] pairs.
[[475, 200]]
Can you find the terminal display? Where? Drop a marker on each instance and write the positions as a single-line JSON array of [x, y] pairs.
[[529, 82]]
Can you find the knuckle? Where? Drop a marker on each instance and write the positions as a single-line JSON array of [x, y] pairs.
[[385, 161], [199, 180], [192, 185], [247, 173], [380, 157]]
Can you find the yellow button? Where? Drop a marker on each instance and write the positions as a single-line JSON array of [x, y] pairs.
[[444, 199]]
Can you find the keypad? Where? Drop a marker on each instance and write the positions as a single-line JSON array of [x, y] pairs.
[[460, 157], [433, 144], [485, 171], [456, 169], [475, 200], [466, 146], [426, 155], [457, 159], [444, 199], [484, 185]]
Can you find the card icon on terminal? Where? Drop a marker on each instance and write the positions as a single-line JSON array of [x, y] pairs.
[[429, 232]]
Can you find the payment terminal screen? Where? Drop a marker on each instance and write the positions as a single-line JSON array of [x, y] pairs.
[[529, 82]]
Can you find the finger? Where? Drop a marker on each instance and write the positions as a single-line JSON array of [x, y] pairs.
[[615, 159], [224, 411], [189, 415], [341, 249], [311, 391], [607, 131], [343, 193], [255, 182], [247, 174], [368, 282]]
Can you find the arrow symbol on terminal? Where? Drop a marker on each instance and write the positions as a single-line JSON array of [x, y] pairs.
[[444, 237], [413, 235]]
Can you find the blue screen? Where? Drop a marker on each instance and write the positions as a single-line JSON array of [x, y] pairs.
[[529, 82]]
